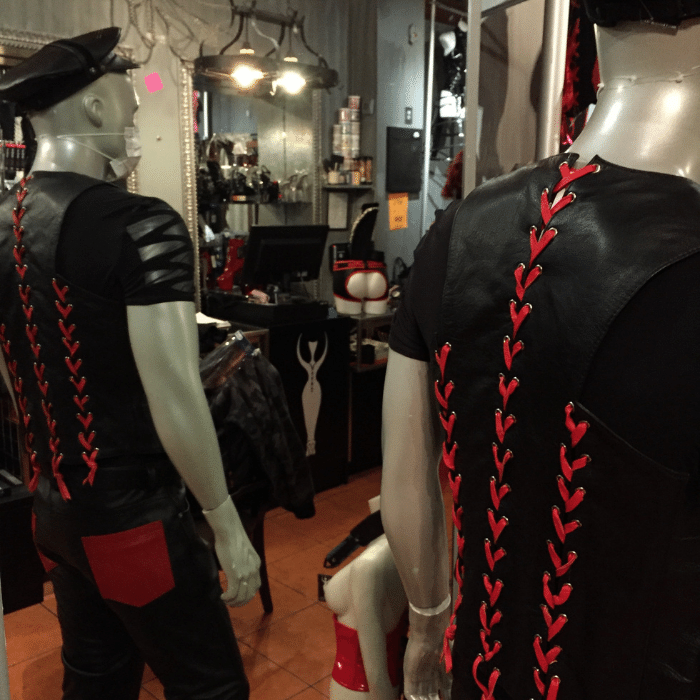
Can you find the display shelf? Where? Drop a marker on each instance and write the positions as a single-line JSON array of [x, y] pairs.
[[365, 325]]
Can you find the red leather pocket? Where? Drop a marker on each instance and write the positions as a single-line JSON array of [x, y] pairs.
[[132, 566]]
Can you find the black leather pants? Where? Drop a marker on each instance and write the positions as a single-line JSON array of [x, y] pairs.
[[134, 583]]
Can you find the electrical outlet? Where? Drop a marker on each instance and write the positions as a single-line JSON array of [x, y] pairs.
[[408, 115]]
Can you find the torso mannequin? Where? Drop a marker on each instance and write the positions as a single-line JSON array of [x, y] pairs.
[[645, 119], [367, 596], [366, 291], [359, 280], [454, 52]]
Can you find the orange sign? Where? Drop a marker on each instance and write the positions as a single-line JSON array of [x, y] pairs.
[[398, 211]]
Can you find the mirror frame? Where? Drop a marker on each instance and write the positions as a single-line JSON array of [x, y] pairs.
[[189, 167]]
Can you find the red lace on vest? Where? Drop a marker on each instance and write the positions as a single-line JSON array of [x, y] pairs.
[[73, 362], [484, 671]]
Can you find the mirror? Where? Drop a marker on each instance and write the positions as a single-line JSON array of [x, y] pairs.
[[254, 165]]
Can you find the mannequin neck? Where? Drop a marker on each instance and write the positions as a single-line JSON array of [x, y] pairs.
[[649, 105], [70, 154]]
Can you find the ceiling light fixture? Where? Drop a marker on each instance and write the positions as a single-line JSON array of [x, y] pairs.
[[256, 74]]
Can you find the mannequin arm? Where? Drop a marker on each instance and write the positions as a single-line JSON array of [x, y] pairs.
[[165, 345], [413, 513], [366, 590]]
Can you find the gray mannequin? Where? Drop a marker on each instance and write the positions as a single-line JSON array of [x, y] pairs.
[[645, 119], [88, 131], [171, 380]]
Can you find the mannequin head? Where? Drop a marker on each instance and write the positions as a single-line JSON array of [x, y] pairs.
[[79, 99], [86, 130], [448, 41]]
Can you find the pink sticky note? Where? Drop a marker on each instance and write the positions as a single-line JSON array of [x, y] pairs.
[[153, 82]]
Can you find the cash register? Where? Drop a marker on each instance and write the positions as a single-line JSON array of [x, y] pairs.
[[275, 257]]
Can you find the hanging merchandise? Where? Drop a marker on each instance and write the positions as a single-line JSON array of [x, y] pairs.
[[582, 76]]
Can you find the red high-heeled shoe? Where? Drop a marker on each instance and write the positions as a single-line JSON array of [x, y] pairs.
[[234, 265]]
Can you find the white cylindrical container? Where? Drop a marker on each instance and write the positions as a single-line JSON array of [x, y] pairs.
[[343, 115], [354, 115], [353, 101]]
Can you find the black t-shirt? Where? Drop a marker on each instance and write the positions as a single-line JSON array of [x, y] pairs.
[[126, 247], [649, 359], [417, 319]]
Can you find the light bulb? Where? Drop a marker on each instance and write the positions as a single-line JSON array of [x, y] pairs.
[[245, 75], [292, 82]]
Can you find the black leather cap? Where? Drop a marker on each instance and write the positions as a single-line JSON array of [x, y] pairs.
[[670, 12], [61, 68]]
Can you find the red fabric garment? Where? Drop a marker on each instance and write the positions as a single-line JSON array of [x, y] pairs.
[[581, 78], [349, 669], [453, 183]]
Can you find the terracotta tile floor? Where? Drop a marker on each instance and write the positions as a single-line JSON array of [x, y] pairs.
[[288, 654]]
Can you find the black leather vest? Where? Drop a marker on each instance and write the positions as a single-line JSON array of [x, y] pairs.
[[67, 350], [579, 556]]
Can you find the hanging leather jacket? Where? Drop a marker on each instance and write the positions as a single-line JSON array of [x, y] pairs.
[[67, 351], [579, 556]]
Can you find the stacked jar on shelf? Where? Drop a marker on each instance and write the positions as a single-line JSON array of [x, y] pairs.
[[355, 169]]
